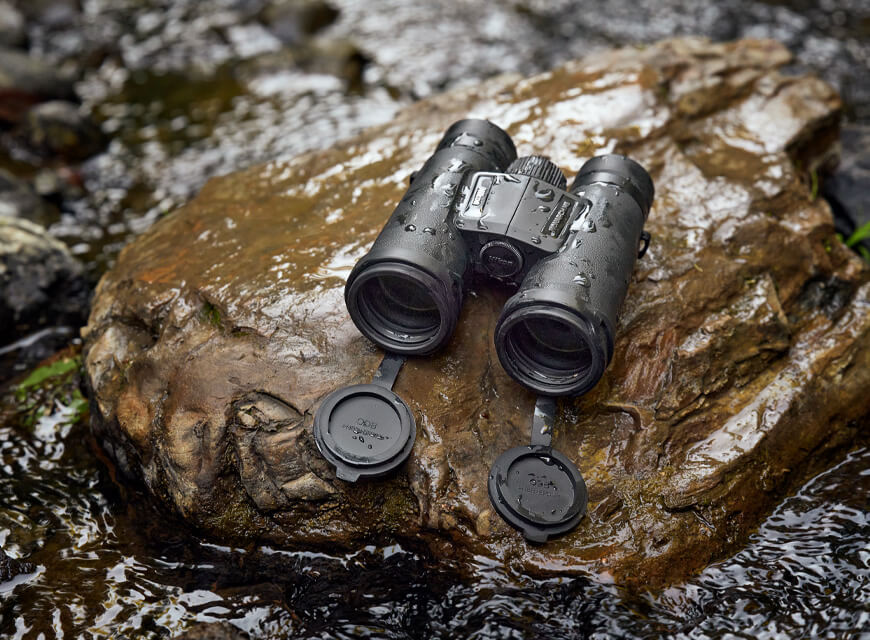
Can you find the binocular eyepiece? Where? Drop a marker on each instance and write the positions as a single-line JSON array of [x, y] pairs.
[[475, 208]]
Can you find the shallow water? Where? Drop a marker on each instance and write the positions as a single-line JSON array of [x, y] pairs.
[[111, 564]]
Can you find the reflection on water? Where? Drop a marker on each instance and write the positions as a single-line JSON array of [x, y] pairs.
[[113, 565]]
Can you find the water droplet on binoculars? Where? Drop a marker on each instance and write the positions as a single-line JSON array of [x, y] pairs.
[[543, 209], [544, 194], [429, 230], [582, 279], [535, 239], [410, 227], [588, 225]]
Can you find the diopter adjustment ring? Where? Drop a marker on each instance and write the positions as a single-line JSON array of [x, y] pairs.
[[540, 167]]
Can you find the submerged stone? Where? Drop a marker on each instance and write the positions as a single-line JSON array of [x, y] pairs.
[[741, 363], [10, 567]]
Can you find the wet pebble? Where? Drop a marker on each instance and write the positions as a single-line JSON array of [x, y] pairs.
[[19, 200], [59, 127], [292, 21], [10, 567], [41, 284], [30, 76], [12, 33]]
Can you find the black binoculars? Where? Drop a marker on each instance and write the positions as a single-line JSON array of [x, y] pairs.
[[475, 208]]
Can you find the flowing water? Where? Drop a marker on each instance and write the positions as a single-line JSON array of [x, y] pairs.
[[110, 564], [188, 89]]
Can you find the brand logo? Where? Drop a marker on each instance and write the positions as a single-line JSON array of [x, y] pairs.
[[556, 222], [500, 260]]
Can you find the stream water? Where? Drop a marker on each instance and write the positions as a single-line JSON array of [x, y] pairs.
[[188, 89]]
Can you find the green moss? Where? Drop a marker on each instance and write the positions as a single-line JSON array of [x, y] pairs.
[[212, 314]]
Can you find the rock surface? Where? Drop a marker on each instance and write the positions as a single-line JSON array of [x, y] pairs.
[[741, 364], [41, 284]]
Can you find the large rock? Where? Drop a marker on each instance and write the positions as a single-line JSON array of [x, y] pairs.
[[742, 360]]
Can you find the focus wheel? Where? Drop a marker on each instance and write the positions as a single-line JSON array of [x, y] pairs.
[[539, 167]]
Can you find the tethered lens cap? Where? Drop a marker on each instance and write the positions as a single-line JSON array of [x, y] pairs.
[[364, 431], [537, 490]]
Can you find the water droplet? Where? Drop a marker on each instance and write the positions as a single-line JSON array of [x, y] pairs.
[[543, 209], [413, 203], [535, 239], [588, 225], [429, 230], [477, 142], [545, 194], [410, 227], [509, 178], [582, 279], [482, 225], [572, 263], [459, 222], [370, 446]]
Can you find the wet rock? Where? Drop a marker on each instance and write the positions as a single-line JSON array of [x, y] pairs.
[[59, 128], [41, 284], [741, 364], [213, 631], [12, 33], [24, 77], [10, 567], [18, 199], [292, 21]]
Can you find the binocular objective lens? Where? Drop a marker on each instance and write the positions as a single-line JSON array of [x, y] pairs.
[[550, 347], [400, 307]]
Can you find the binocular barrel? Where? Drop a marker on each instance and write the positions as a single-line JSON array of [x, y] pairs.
[[555, 335], [406, 293]]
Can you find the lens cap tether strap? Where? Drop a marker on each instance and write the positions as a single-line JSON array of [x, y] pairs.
[[366, 430], [536, 488]]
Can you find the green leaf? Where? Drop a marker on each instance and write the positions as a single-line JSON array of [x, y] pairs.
[[40, 375], [858, 235]]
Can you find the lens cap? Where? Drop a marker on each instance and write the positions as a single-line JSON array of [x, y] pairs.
[[537, 490], [366, 430]]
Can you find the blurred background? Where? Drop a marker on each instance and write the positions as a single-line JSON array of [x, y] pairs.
[[115, 112]]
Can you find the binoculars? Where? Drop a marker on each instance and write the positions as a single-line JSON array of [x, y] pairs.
[[475, 208]]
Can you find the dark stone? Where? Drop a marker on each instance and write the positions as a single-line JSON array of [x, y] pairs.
[[10, 567], [12, 27], [292, 21], [59, 128], [25, 77], [19, 200], [741, 362], [213, 631], [847, 188], [41, 284]]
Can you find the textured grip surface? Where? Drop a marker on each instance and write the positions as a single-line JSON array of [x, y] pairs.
[[539, 167]]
